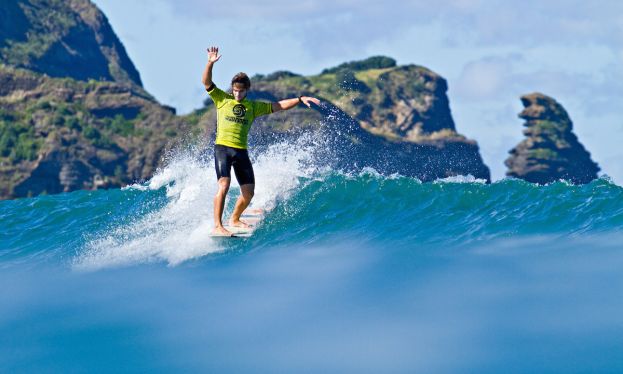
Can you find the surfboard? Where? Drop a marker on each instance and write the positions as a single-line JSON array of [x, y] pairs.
[[252, 217]]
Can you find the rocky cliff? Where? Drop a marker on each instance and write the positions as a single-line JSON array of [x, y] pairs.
[[73, 114], [63, 38], [61, 134], [551, 151]]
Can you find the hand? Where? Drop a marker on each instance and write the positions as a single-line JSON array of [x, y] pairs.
[[307, 100], [213, 55]]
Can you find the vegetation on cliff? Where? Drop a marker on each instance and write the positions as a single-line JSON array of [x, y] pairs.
[[402, 103], [60, 134], [63, 38]]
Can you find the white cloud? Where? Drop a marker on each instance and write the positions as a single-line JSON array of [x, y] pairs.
[[481, 22], [486, 78], [498, 78]]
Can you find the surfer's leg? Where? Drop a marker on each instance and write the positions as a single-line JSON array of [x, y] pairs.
[[246, 180], [246, 194], [219, 205], [222, 164]]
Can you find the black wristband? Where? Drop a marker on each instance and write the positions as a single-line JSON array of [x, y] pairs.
[[300, 100]]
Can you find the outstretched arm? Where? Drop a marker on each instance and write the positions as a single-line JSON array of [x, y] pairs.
[[291, 103], [213, 56]]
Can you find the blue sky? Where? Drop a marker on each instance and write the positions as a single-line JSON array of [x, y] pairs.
[[490, 51]]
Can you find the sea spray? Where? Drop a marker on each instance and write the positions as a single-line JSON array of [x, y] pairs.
[[179, 230]]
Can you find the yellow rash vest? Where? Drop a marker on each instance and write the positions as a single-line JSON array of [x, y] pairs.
[[234, 119]]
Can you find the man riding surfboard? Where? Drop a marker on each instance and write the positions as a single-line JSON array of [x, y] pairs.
[[235, 115]]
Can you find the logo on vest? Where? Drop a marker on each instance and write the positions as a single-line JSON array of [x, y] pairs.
[[239, 110]]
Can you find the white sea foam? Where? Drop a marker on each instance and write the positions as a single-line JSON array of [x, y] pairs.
[[180, 230], [461, 179]]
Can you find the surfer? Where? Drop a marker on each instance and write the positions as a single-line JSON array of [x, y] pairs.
[[235, 114]]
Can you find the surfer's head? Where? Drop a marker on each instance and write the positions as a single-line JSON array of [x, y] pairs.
[[240, 85]]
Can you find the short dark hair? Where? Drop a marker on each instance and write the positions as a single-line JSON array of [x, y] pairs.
[[243, 79]]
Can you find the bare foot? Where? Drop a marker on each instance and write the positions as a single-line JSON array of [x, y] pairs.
[[239, 223], [221, 231]]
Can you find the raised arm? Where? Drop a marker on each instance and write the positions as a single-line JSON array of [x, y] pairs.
[[213, 57], [291, 103]]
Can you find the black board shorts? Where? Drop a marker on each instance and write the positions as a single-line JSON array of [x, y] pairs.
[[225, 157]]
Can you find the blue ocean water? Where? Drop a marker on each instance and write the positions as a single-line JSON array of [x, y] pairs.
[[354, 272]]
